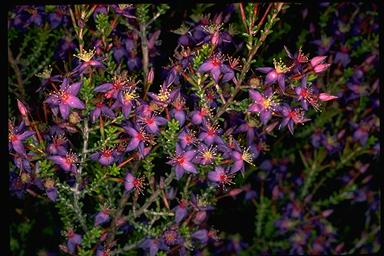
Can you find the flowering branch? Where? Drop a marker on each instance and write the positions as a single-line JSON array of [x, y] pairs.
[[247, 64]]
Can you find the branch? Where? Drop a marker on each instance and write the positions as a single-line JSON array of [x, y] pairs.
[[247, 65], [144, 50], [78, 175], [17, 71], [154, 196]]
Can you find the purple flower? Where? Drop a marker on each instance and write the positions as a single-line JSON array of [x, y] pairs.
[[263, 104], [186, 138], [119, 52], [124, 9], [275, 74], [220, 176], [154, 245], [137, 141], [361, 134], [57, 17], [182, 161], [171, 237], [298, 59], [306, 95], [324, 44], [126, 100], [165, 95], [104, 157], [16, 138], [112, 89], [250, 129], [181, 211], [291, 117], [67, 162], [201, 235], [58, 145], [102, 217], [210, 134], [50, 189], [215, 66], [86, 57], [131, 182], [206, 154], [101, 109], [178, 111], [73, 241], [151, 123], [198, 116], [66, 98], [52, 194], [239, 157]]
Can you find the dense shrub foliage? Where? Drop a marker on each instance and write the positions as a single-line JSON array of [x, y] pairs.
[[205, 129]]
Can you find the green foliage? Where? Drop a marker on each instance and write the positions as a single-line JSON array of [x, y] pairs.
[[103, 25], [90, 238], [142, 12], [86, 93], [65, 209], [35, 51], [46, 169], [201, 55], [337, 197], [366, 45], [18, 237], [168, 137], [261, 213]]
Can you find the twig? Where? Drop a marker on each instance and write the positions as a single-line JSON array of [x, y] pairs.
[[154, 196], [144, 50], [17, 71]]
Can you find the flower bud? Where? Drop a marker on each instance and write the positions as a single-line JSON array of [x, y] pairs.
[[150, 76], [215, 38], [200, 217], [234, 192], [326, 213], [326, 97], [317, 60], [23, 110], [321, 68]]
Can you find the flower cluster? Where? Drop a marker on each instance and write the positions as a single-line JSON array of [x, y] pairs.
[[137, 156]]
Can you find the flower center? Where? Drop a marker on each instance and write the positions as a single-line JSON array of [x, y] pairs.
[[64, 96], [12, 137], [107, 153], [85, 56], [247, 156], [180, 160], [150, 120], [216, 62], [304, 93], [280, 67], [129, 95]]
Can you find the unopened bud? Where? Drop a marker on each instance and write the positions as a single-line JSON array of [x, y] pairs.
[[326, 97], [150, 76], [326, 213], [200, 217], [317, 60], [23, 110], [321, 68], [215, 38], [234, 192]]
